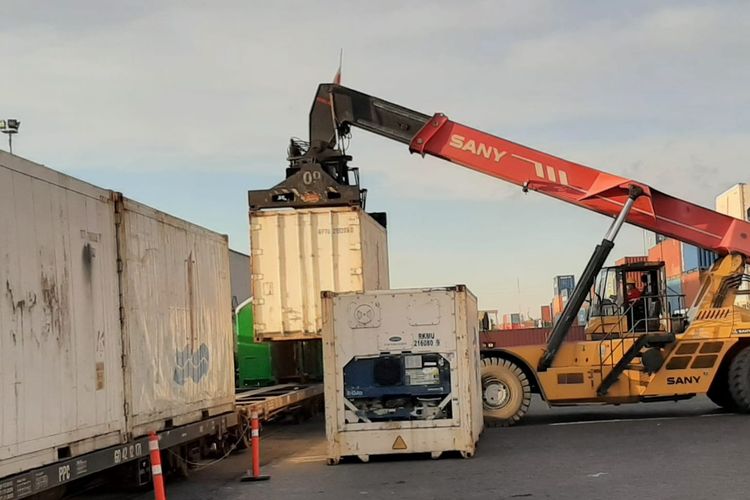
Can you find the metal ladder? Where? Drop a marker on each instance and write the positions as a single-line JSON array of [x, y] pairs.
[[642, 340]]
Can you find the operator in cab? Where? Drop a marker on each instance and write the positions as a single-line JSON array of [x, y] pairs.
[[633, 293]]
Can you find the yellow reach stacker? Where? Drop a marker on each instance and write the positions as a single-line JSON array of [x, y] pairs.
[[637, 349]]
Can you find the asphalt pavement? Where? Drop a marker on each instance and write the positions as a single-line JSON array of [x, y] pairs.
[[685, 450]]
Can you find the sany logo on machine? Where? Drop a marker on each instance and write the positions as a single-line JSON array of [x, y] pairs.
[[682, 380], [479, 149], [493, 153]]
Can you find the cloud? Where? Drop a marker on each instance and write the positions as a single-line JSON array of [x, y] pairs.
[[186, 86], [657, 92]]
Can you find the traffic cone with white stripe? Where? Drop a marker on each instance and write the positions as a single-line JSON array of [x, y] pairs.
[[254, 474], [153, 446]]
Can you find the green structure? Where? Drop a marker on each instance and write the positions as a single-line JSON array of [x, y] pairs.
[[253, 360]]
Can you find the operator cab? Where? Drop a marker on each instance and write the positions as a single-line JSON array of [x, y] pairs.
[[631, 299]]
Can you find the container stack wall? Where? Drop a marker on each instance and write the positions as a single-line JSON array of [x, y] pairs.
[[668, 251], [674, 289]]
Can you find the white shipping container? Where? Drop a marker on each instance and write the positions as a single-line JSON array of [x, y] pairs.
[[735, 202], [296, 254], [177, 319], [115, 318], [61, 384], [401, 372]]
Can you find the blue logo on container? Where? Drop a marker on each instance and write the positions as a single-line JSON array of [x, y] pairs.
[[191, 365]]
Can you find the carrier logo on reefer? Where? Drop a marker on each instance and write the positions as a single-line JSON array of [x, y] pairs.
[[191, 364]]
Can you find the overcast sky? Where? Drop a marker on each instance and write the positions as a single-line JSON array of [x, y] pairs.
[[187, 105]]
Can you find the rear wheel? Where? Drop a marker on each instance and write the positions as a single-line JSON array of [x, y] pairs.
[[506, 392], [739, 380]]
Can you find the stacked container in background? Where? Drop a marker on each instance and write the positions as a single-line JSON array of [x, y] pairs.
[[735, 201], [685, 266], [633, 276]]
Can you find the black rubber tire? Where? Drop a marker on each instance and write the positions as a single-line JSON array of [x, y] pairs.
[[515, 402], [719, 392], [739, 380]]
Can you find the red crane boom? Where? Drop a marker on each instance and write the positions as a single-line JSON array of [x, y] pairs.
[[337, 107]]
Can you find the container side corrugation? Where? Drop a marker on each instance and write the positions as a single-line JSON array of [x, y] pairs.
[[60, 353], [62, 382], [735, 202], [178, 320], [297, 254], [668, 251], [694, 258]]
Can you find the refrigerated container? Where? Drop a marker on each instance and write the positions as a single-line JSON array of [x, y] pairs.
[[296, 254], [61, 379], [116, 320], [401, 372], [176, 306]]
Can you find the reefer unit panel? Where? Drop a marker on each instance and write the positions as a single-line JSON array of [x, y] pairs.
[[296, 254], [177, 325], [401, 372], [61, 385]]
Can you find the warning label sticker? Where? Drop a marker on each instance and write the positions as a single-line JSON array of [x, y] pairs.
[[399, 444]]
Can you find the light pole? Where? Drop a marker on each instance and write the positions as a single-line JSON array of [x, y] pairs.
[[10, 127]]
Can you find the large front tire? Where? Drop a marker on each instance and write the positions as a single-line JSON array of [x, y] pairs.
[[506, 392], [739, 380], [719, 391]]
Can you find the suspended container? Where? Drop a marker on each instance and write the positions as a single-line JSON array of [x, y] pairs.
[[401, 372], [296, 254]]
